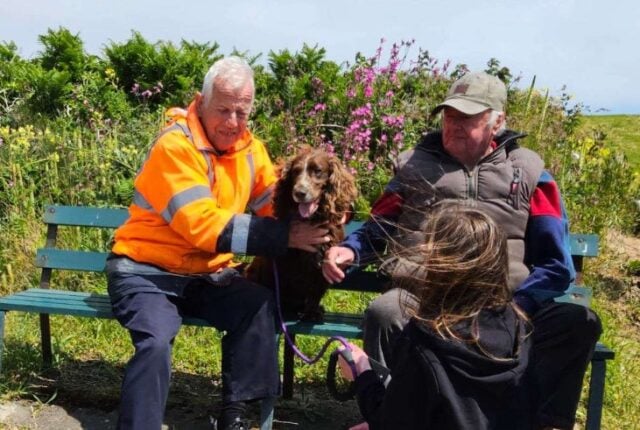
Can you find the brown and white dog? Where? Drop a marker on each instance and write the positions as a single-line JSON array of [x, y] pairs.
[[314, 186]]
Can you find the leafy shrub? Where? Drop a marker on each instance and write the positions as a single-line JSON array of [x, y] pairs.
[[160, 73], [64, 52]]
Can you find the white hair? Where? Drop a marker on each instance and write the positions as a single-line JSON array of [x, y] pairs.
[[233, 70], [495, 114]]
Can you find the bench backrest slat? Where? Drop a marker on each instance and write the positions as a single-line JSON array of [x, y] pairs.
[[84, 261], [585, 245], [582, 245], [85, 216]]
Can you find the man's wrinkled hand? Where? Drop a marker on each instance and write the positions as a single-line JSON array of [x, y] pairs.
[[307, 237], [335, 260]]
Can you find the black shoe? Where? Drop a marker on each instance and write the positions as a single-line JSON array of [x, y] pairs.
[[237, 424]]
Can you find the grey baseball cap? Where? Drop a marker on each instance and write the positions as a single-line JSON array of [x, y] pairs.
[[474, 93]]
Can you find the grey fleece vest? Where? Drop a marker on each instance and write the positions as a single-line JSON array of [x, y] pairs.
[[501, 185]]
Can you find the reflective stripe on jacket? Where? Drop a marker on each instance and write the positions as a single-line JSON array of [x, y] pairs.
[[186, 194]]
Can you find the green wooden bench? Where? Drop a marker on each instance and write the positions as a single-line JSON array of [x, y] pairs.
[[47, 301]]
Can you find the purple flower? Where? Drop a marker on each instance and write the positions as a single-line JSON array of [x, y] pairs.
[[135, 89], [368, 91]]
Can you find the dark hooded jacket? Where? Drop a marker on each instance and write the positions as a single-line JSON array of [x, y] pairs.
[[447, 384]]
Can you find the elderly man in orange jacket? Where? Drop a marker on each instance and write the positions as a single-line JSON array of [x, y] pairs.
[[173, 256]]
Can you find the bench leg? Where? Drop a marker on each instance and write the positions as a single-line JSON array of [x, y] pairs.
[[287, 369], [596, 394], [1, 338], [45, 336], [266, 413]]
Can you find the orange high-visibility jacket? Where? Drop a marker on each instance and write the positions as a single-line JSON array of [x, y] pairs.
[[187, 196]]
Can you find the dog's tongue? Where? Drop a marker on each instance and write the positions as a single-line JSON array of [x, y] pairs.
[[307, 209]]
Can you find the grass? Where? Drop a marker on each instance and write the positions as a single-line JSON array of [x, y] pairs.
[[623, 131]]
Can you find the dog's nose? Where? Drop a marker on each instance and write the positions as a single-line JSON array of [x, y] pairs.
[[299, 195]]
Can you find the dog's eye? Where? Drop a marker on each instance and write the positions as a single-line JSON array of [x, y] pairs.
[[318, 173]]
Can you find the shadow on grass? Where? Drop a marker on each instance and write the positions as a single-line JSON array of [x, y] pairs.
[[79, 386], [89, 390]]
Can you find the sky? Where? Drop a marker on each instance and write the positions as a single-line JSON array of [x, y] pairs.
[[589, 47]]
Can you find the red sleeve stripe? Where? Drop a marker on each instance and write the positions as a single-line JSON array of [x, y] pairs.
[[546, 200], [388, 205]]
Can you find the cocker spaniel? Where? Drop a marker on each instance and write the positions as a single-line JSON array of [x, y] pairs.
[[314, 186]]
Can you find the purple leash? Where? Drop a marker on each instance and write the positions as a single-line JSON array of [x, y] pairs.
[[346, 353]]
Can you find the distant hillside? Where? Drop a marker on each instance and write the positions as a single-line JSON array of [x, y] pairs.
[[623, 131]]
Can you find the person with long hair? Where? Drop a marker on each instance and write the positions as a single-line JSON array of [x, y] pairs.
[[461, 359], [475, 159]]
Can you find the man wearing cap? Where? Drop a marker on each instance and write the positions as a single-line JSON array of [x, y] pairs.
[[477, 160]]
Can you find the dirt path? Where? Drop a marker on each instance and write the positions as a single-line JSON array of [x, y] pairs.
[[310, 409]]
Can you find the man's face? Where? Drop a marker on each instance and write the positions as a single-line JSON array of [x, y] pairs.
[[468, 138], [225, 117]]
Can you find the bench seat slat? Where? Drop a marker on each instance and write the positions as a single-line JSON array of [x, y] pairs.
[[44, 292], [57, 308], [325, 329], [76, 303], [57, 301]]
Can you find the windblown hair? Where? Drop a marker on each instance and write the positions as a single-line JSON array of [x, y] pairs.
[[233, 70], [460, 269]]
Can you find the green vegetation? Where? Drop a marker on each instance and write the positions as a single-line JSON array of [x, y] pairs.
[[74, 128], [622, 131]]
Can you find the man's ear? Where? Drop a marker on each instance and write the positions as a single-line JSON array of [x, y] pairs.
[[199, 102], [498, 124]]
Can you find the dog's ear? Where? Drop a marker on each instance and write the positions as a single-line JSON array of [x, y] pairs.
[[282, 167], [282, 200], [343, 185]]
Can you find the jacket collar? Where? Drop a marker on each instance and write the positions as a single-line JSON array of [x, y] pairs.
[[507, 140]]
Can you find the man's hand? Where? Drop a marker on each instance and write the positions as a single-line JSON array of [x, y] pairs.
[[360, 358], [335, 260], [307, 237]]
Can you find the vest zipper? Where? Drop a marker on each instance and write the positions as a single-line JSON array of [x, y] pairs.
[[513, 197], [472, 189]]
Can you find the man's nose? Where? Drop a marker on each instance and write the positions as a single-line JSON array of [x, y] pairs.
[[232, 119]]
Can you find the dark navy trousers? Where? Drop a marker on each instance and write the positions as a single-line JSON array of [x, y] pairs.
[[243, 310]]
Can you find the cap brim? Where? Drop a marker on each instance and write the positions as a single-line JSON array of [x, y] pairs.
[[465, 106]]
